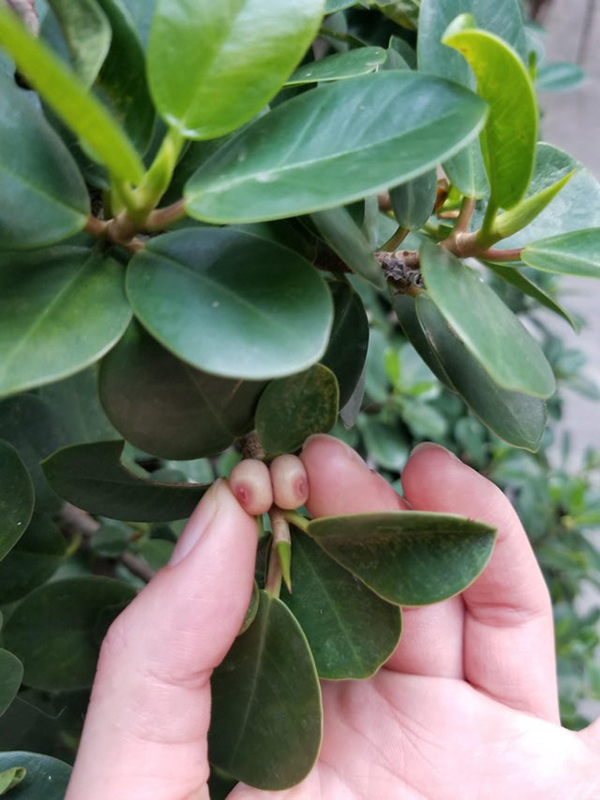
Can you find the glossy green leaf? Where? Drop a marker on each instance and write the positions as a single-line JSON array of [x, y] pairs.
[[122, 79], [92, 477], [360, 61], [349, 340], [386, 443], [43, 196], [11, 675], [279, 167], [266, 703], [527, 210], [292, 409], [141, 13], [213, 66], [50, 630], [31, 427], [60, 310], [517, 418], [10, 778], [403, 12], [46, 777], [70, 99], [465, 170], [406, 311], [411, 558], [487, 327], [230, 303], [509, 138], [413, 201], [87, 34], [511, 273], [345, 238], [558, 76], [17, 498], [165, 407], [351, 630], [33, 560], [576, 253]]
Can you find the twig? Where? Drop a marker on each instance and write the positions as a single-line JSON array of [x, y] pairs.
[[464, 217], [163, 217], [251, 446]]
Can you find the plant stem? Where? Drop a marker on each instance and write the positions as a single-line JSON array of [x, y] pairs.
[[281, 535], [485, 237], [500, 255], [464, 217], [251, 446], [163, 217], [394, 242], [297, 520]]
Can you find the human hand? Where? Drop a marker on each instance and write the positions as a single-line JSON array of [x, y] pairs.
[[465, 708]]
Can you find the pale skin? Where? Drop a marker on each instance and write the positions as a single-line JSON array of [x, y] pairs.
[[465, 709]]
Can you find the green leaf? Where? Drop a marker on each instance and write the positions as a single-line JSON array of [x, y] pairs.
[[413, 201], [122, 79], [345, 238], [465, 170], [576, 253], [87, 34], [349, 340], [11, 675], [165, 407], [266, 703], [403, 12], [351, 631], [213, 66], [278, 167], [488, 328], [141, 13], [70, 99], [50, 630], [517, 418], [513, 275], [33, 560], [360, 61], [17, 498], [385, 443], [44, 198], [291, 409], [558, 76], [60, 310], [230, 303], [333, 6], [46, 777], [92, 477], [527, 210], [30, 426], [10, 778], [509, 138], [411, 558]]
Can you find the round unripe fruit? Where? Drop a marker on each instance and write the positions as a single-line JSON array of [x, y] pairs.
[[290, 482], [250, 482]]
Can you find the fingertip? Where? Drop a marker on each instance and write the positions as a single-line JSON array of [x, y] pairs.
[[250, 484], [289, 481]]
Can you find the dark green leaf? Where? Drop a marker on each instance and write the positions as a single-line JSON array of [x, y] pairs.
[[576, 253], [165, 407], [466, 169], [360, 61], [44, 198], [291, 409], [230, 303], [487, 327], [29, 425], [33, 560], [413, 201], [351, 631], [558, 76], [70, 99], [46, 777], [517, 418], [141, 13], [17, 498], [386, 443], [212, 66], [60, 310], [122, 79], [11, 675], [349, 340], [266, 703], [366, 142], [403, 12], [508, 140], [346, 239], [92, 477], [50, 630], [87, 34], [412, 558]]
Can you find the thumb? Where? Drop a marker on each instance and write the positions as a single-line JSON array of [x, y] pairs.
[[591, 736], [145, 730]]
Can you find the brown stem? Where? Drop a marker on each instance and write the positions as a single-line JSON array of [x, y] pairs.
[[500, 255], [384, 202], [96, 227], [464, 217], [163, 217], [402, 270], [394, 242], [251, 446], [281, 534]]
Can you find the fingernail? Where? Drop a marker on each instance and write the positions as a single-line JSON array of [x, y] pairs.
[[204, 514], [423, 446]]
